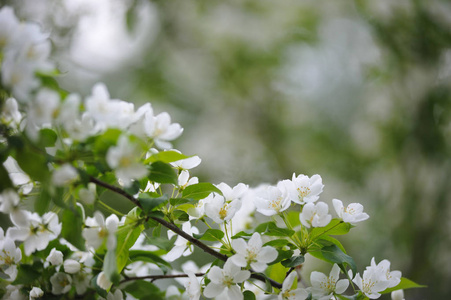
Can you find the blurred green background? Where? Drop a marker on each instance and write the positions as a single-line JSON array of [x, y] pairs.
[[356, 91]]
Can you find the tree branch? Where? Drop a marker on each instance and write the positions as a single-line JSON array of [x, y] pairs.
[[156, 277], [178, 231]]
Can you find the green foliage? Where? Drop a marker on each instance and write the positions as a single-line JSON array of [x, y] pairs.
[[200, 190], [213, 235], [293, 261], [150, 257], [149, 203], [271, 229], [144, 290], [248, 295], [404, 285], [72, 225], [165, 157], [333, 254], [162, 173]]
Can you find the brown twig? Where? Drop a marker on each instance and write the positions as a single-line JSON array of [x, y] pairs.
[[156, 277], [178, 231]]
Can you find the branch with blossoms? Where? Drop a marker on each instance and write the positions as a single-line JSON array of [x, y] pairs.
[[63, 155]]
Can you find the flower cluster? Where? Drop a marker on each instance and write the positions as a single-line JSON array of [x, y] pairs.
[[72, 159]]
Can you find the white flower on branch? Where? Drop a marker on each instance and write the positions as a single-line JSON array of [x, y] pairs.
[[64, 175], [124, 158], [98, 230], [9, 200], [219, 210], [187, 163], [271, 200], [36, 232], [393, 277], [181, 245], [288, 293], [252, 253], [323, 287], [9, 257], [192, 286], [55, 257], [315, 215], [353, 213], [36, 293], [302, 189], [235, 193], [225, 281], [61, 283], [160, 129]]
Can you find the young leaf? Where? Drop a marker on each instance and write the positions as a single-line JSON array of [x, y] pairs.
[[404, 285], [282, 255], [271, 229], [178, 201], [47, 138], [162, 173], [149, 203], [180, 215], [166, 157], [333, 254], [335, 227], [72, 226], [248, 295], [142, 289], [150, 257], [293, 261], [213, 235], [199, 191]]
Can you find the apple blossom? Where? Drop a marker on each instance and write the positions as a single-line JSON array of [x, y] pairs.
[[192, 286], [98, 230], [10, 112], [61, 283], [225, 281], [324, 287], [103, 281], [184, 179], [219, 210], [124, 159], [9, 257], [187, 163], [36, 293], [230, 194], [64, 175], [302, 189], [287, 293], [162, 131], [55, 257], [393, 277], [397, 295], [315, 215], [353, 213], [181, 245], [9, 200], [252, 253], [71, 266], [271, 200]]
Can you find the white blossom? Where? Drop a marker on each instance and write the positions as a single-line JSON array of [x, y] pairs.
[[271, 200], [36, 293], [117, 295], [103, 281], [98, 230], [181, 245], [219, 210], [19, 77], [235, 193], [288, 293], [61, 283], [36, 232], [192, 286], [225, 281], [184, 179], [9, 200], [187, 163], [71, 266], [8, 26], [302, 189], [64, 175], [160, 129], [9, 257], [324, 287], [55, 257], [373, 281], [10, 112], [252, 253], [315, 215], [393, 277], [124, 158], [88, 195], [397, 295], [43, 109], [353, 213]]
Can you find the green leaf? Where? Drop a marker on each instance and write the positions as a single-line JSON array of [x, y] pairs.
[[142, 289], [404, 285], [210, 235], [328, 240], [293, 261], [110, 266], [271, 229], [179, 201], [248, 295], [72, 226], [242, 234], [166, 157], [27, 274], [150, 203], [335, 227], [5, 181], [106, 140], [333, 254], [200, 191], [47, 138], [180, 215], [150, 257], [162, 173], [41, 205], [126, 238], [279, 243], [33, 163]]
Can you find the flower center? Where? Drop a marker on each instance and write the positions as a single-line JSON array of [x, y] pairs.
[[303, 191], [223, 212]]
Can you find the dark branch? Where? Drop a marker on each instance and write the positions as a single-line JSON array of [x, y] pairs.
[[156, 277], [177, 231]]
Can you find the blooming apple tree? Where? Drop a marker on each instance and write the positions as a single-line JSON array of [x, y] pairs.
[[62, 153]]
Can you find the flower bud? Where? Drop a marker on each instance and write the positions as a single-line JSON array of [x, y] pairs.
[[55, 257], [71, 266], [36, 293]]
